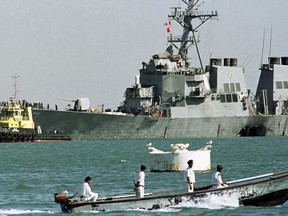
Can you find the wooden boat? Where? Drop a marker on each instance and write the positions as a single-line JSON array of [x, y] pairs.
[[263, 190]]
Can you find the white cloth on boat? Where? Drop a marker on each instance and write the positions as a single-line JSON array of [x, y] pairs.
[[85, 193], [189, 173], [139, 192], [140, 179]]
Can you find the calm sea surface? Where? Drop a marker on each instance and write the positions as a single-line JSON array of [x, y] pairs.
[[31, 172]]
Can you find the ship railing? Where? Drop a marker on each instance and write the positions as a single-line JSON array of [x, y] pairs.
[[4, 118], [265, 66], [178, 14], [202, 13], [285, 111], [178, 39], [186, 72]]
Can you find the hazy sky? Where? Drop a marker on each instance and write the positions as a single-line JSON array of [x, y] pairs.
[[91, 48]]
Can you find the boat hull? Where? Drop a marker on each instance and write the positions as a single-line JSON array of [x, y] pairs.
[[94, 126], [270, 199]]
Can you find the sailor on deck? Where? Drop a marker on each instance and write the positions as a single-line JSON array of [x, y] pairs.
[[217, 179], [189, 177], [85, 192], [139, 182]]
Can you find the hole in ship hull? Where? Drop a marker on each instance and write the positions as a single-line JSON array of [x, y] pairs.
[[253, 131]]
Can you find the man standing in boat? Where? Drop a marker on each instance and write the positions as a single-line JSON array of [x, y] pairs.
[[217, 179], [139, 182], [85, 192], [189, 177]]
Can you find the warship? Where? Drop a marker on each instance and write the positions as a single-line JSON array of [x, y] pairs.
[[173, 97]]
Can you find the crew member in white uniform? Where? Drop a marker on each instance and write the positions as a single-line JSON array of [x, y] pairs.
[[189, 177], [217, 179], [85, 192], [139, 182]]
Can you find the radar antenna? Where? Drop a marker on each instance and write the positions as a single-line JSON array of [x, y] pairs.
[[185, 18]]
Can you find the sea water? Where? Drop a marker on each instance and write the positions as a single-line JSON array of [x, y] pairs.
[[30, 173]]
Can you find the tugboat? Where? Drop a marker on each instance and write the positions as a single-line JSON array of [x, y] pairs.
[[17, 125]]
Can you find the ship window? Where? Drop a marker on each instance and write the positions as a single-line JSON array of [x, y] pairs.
[[232, 87], [222, 99], [285, 83], [213, 97], [226, 87], [238, 89], [229, 98], [279, 85], [234, 98]]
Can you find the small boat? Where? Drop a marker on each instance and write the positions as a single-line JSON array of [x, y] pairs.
[[176, 159], [17, 125], [269, 189]]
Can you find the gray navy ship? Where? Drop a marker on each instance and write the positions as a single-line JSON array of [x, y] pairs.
[[174, 98]]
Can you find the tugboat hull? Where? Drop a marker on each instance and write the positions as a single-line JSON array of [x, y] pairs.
[[31, 137]]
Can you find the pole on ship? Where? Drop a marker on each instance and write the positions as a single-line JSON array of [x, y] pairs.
[[15, 77]]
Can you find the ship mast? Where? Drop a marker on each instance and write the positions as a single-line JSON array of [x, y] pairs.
[[185, 18], [15, 77]]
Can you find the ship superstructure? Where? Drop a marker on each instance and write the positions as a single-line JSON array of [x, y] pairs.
[[170, 84], [272, 88]]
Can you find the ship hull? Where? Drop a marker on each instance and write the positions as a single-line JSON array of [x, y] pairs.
[[28, 136], [94, 126]]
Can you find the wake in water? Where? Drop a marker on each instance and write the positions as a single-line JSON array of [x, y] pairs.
[[212, 201], [167, 210], [20, 211]]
